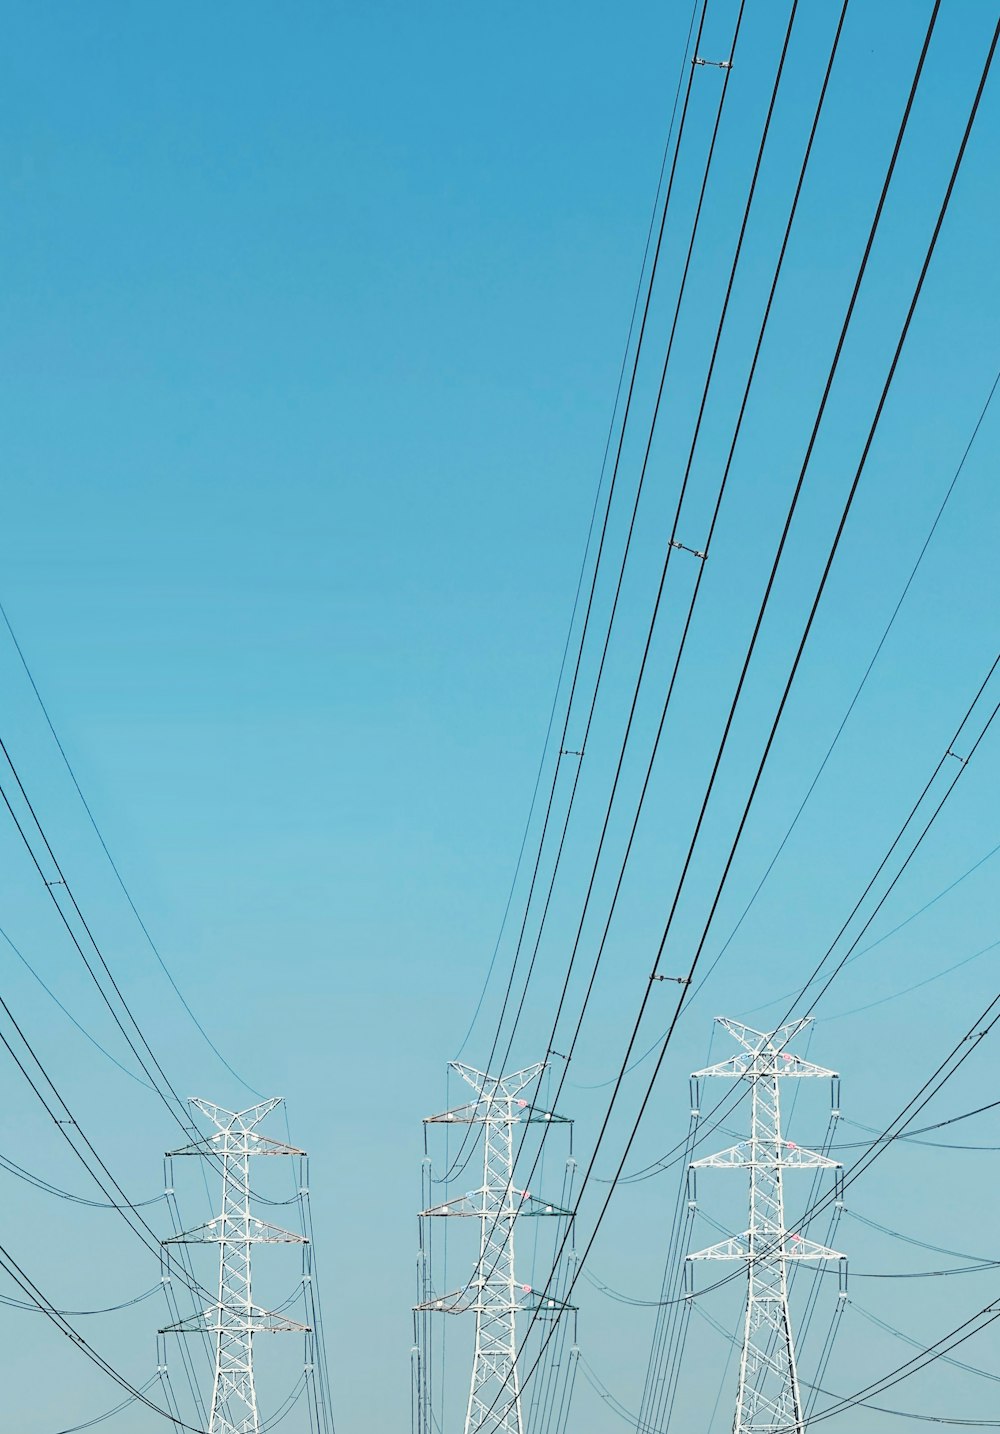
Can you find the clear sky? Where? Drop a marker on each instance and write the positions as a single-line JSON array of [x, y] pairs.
[[312, 321]]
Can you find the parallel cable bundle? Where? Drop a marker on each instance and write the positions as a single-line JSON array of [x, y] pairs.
[[809, 994]]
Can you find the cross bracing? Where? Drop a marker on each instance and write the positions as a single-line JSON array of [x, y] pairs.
[[768, 1395], [234, 1319], [494, 1293]]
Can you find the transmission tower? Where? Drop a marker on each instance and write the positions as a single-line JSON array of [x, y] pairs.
[[234, 1319], [768, 1398], [493, 1292]]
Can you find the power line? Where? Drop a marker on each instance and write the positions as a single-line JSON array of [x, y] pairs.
[[19, 1276], [967, 1045], [110, 1413], [590, 531], [50, 888], [66, 1124], [671, 548], [111, 861], [36, 1180], [764, 604], [70, 1017], [459, 1163], [915, 1344], [671, 544], [76, 1314], [928, 904]]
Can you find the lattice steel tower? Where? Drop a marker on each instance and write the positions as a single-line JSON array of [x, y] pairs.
[[768, 1398], [494, 1396], [234, 1319]]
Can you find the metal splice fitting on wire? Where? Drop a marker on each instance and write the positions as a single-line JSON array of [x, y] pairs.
[[695, 552]]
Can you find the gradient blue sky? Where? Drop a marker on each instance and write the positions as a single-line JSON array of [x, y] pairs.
[[312, 319]]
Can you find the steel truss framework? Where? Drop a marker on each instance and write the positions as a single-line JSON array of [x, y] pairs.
[[234, 1319], [494, 1294], [768, 1398]]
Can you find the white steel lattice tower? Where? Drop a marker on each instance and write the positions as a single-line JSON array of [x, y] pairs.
[[768, 1398], [495, 1396], [234, 1319]]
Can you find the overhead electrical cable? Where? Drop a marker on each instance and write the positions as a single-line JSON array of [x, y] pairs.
[[101, 1175], [32, 1305], [11, 1268], [111, 861], [36, 1180], [746, 394], [70, 1017], [459, 1164], [732, 1098], [866, 450], [949, 788], [910, 1239], [685, 988], [598, 1085], [110, 1413], [900, 925], [911, 576], [590, 530], [671, 547], [736, 1099], [981, 1320], [687, 980], [600, 550], [601, 1389], [916, 1344], [915, 986], [816, 1389], [911, 1138], [670, 1327], [169, 1096], [166, 1092], [960, 1052]]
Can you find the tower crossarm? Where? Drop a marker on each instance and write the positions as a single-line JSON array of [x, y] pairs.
[[472, 1114], [542, 1305], [753, 1040], [524, 1301], [236, 1142], [745, 1066], [532, 1205], [458, 1302], [764, 1052], [768, 1399], [216, 1321], [493, 1293], [786, 1247], [230, 1227], [234, 1319], [225, 1119], [482, 1204], [787, 1157], [491, 1088], [470, 1206]]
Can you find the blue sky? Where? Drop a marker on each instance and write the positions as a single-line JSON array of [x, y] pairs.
[[312, 324]]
